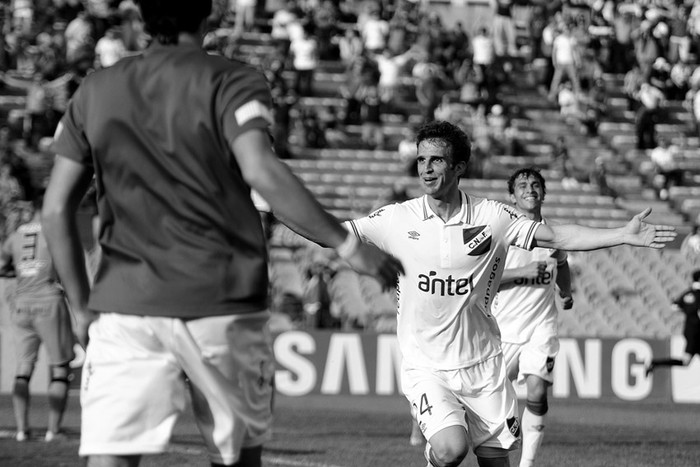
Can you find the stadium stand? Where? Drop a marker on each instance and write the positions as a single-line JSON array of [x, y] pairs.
[[606, 179]]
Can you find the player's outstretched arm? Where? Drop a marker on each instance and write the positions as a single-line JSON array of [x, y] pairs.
[[574, 237], [294, 205], [68, 184]]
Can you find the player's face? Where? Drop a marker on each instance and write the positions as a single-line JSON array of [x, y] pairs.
[[437, 171], [527, 194]]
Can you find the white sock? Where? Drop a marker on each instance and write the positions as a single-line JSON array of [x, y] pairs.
[[533, 432]]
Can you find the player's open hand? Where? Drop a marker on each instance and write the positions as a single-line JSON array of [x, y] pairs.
[[370, 260], [640, 233]]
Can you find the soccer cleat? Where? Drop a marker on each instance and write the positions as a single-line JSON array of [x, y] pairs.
[[22, 436]]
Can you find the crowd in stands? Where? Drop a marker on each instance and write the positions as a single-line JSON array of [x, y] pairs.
[[399, 59]]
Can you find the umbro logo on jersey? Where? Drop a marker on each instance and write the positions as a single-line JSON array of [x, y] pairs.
[[413, 235], [477, 239]]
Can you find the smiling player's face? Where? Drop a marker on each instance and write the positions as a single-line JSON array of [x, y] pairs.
[[437, 170], [528, 194]]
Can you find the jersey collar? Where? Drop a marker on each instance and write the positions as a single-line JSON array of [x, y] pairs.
[[464, 216]]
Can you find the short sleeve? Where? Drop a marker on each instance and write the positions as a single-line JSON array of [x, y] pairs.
[[521, 230], [374, 227], [246, 103], [69, 139]]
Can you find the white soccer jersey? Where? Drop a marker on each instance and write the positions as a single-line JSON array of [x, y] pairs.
[[452, 272], [523, 305]]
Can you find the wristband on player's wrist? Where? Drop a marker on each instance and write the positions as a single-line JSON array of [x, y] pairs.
[[348, 247]]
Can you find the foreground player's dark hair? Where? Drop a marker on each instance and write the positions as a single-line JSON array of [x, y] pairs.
[[165, 19], [451, 134], [526, 172]]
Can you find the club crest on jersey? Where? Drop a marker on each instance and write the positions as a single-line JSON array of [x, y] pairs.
[[514, 426], [550, 364], [477, 239]]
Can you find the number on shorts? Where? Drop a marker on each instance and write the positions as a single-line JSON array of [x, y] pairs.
[[425, 405]]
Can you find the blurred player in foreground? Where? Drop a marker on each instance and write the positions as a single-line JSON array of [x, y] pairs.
[[39, 316], [526, 310], [176, 139], [689, 304], [453, 247]]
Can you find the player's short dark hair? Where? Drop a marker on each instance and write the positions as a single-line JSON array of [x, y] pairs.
[[457, 139], [696, 275], [526, 172], [165, 19]]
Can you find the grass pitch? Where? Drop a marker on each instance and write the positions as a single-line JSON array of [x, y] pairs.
[[323, 431]]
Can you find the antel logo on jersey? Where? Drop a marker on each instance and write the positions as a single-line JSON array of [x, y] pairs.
[[450, 286], [477, 239]]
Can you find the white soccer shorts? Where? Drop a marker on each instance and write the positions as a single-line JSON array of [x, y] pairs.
[[138, 370], [478, 398], [534, 357]]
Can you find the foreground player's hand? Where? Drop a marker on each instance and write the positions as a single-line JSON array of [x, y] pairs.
[[81, 323], [639, 233], [370, 260]]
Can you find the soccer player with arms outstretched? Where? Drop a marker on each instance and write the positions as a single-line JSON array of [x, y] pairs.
[[526, 310], [453, 248]]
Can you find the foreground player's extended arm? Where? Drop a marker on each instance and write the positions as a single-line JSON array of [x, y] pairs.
[[574, 237], [294, 205], [69, 183]]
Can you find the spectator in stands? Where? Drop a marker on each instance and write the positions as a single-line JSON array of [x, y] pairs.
[[504, 35], [429, 85], [483, 58], [305, 61], [79, 36], [652, 102], [374, 32], [565, 59], [282, 19], [692, 104], [668, 172], [350, 47], [632, 82], [563, 164], [325, 19], [371, 115], [109, 49], [660, 76], [679, 39], [680, 80], [36, 118], [689, 304], [407, 151], [245, 17], [646, 46], [621, 48], [391, 68]]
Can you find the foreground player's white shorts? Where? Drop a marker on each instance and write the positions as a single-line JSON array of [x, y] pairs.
[[478, 398], [534, 357], [138, 370]]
